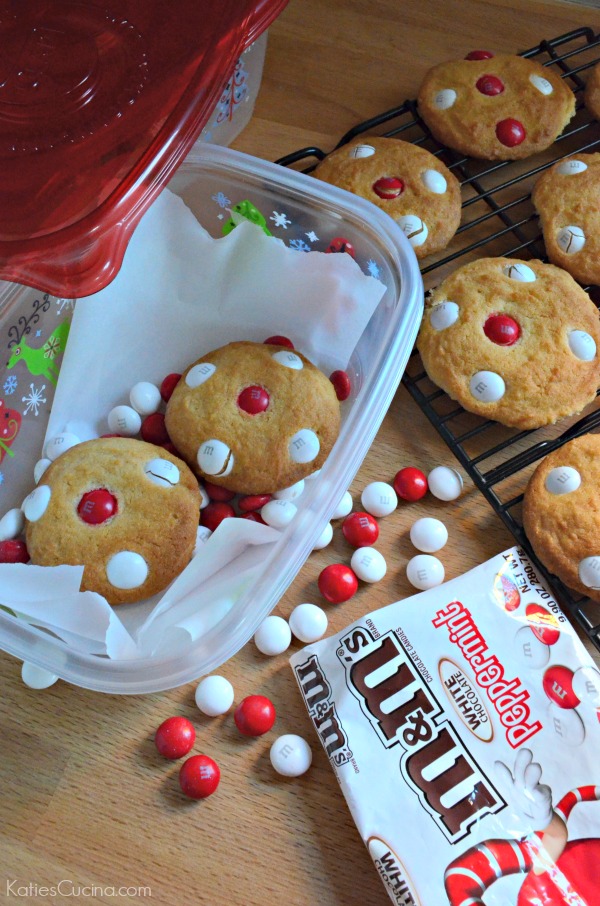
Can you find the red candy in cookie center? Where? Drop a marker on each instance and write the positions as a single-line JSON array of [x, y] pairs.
[[253, 400], [97, 506], [502, 329], [388, 187], [510, 132], [489, 85]]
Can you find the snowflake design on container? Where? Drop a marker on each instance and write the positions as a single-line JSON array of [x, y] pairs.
[[234, 93], [280, 220], [10, 384], [1, 477], [221, 199], [64, 305], [34, 399], [300, 245], [373, 268]]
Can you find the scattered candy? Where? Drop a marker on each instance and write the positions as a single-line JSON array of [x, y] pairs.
[[253, 502], [308, 622], [428, 535], [145, 397], [341, 384], [324, 538], [279, 341], [127, 569], [344, 506], [35, 504], [124, 421], [379, 499], [253, 517], [255, 715], [60, 444], [360, 529], [213, 515], [175, 737], [279, 513], [37, 677], [13, 550], [337, 583], [168, 386], [214, 695], [12, 524], [96, 506], [290, 493], [199, 777], [153, 429], [368, 564], [410, 484], [39, 468], [291, 755], [273, 636], [445, 483], [217, 493], [425, 571], [558, 686]]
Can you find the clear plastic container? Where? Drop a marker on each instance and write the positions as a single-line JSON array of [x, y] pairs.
[[211, 181]]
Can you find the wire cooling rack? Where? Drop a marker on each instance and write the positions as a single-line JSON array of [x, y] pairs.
[[498, 219]]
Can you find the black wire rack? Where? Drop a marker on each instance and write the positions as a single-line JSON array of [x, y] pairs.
[[498, 219]]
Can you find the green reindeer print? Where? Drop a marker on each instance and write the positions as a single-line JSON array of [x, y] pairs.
[[41, 361]]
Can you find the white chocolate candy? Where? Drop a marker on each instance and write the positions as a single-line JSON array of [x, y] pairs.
[[571, 239], [162, 472], [12, 524], [425, 571], [368, 564], [445, 483], [562, 480], [145, 397], [290, 755], [291, 493], [359, 151], [204, 498], [445, 99], [571, 167], [39, 469], [542, 84], [278, 513], [203, 533], [379, 499], [215, 458], [37, 677], [214, 695], [589, 572], [567, 724], [434, 181], [59, 444], [35, 504], [344, 507], [308, 622], [124, 420], [127, 569], [304, 446], [586, 686], [487, 386], [289, 359], [521, 272], [273, 636], [199, 374], [413, 228], [324, 538], [428, 534], [443, 315], [530, 650], [582, 345]]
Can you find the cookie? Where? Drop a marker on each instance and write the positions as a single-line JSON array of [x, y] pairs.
[[125, 510], [512, 341], [561, 514], [591, 96], [253, 417], [566, 199], [407, 182], [500, 107]]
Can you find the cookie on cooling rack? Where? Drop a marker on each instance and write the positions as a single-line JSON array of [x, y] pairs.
[[566, 199], [125, 510], [253, 417], [407, 182], [491, 107], [591, 95], [512, 341], [561, 514]]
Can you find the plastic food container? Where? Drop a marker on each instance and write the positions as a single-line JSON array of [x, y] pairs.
[[211, 182]]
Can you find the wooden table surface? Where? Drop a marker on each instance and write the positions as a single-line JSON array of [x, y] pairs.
[[86, 799]]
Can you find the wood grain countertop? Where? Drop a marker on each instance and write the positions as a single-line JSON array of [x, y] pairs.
[[85, 797]]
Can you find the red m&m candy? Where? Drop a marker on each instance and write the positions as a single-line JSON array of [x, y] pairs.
[[153, 429], [214, 513], [558, 686], [388, 187], [97, 506], [253, 400], [168, 386], [510, 132], [410, 483], [199, 776], [255, 715], [360, 529], [279, 341], [13, 550], [251, 502], [337, 583], [341, 384], [339, 244], [502, 329], [490, 85], [175, 737], [216, 492], [479, 55]]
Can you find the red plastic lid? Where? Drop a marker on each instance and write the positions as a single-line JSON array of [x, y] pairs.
[[98, 106]]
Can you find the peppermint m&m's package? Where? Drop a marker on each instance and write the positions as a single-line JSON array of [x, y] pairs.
[[463, 727]]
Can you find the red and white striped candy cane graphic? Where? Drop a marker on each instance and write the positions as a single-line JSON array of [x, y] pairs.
[[570, 800]]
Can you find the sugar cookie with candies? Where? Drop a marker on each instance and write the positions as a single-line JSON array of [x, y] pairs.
[[561, 514], [591, 96], [253, 417], [512, 341], [125, 510], [495, 107], [566, 198], [407, 182]]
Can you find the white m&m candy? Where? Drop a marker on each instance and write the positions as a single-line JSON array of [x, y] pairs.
[[290, 755], [487, 386], [308, 622], [289, 359], [37, 677], [443, 315], [59, 444], [582, 345], [570, 239], [214, 695], [562, 480], [368, 564], [571, 167], [413, 228], [589, 572], [542, 84], [145, 397], [215, 458], [304, 446], [359, 151], [12, 524], [344, 506], [124, 420], [425, 571], [290, 493], [39, 468], [127, 569], [379, 499], [324, 538], [273, 636], [428, 535], [35, 504], [445, 99], [445, 483], [162, 472], [434, 181], [520, 271], [278, 513], [199, 374]]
